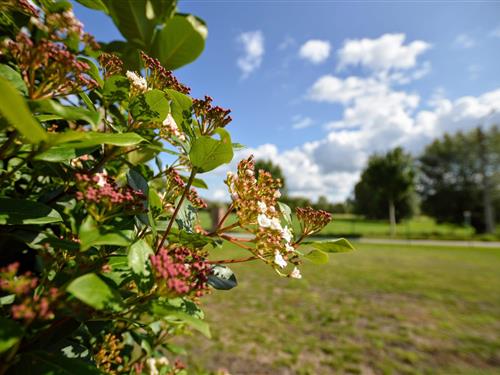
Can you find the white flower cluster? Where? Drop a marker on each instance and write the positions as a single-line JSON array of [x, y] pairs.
[[274, 223], [154, 363], [138, 83], [171, 126]]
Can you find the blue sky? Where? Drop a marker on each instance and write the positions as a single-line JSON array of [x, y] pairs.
[[318, 86]]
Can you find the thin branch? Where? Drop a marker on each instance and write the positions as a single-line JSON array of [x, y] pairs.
[[171, 222], [239, 260]]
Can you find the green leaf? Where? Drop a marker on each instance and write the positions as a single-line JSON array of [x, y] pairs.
[[21, 211], [286, 212], [180, 41], [181, 110], [73, 139], [208, 153], [176, 314], [68, 113], [62, 154], [222, 278], [317, 257], [138, 257], [116, 89], [14, 77], [7, 300], [340, 245], [94, 4], [92, 235], [150, 106], [93, 291], [17, 113], [137, 19], [93, 71], [186, 217], [48, 363], [137, 182], [10, 334]]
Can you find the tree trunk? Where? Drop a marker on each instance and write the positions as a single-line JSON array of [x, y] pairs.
[[392, 217], [489, 216]]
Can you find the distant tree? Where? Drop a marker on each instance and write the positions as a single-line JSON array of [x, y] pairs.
[[272, 168], [387, 187], [460, 178]]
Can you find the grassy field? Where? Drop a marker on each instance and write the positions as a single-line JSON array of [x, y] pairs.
[[379, 310], [420, 227]]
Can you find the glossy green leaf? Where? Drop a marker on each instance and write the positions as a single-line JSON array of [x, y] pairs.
[[186, 217], [222, 278], [73, 139], [10, 334], [317, 257], [181, 110], [180, 41], [21, 211], [340, 245], [138, 182], [129, 17], [14, 77], [138, 256], [93, 291], [93, 71], [62, 154], [69, 113], [50, 363], [174, 314], [208, 153], [94, 4], [93, 235], [150, 106], [17, 113], [116, 89]]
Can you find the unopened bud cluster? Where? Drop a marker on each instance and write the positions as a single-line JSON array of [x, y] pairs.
[[210, 117], [108, 357], [180, 271], [111, 64], [161, 78], [28, 305], [176, 186], [311, 220], [101, 190]]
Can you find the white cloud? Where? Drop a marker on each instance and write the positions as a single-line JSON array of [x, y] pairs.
[[464, 41], [331, 89], [382, 54], [314, 50], [300, 122], [252, 43]]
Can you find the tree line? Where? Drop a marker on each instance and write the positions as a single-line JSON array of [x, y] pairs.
[[456, 179]]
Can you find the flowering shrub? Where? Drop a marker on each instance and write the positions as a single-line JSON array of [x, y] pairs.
[[102, 258]]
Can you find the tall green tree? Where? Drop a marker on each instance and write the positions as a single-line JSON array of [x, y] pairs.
[[460, 178], [387, 187]]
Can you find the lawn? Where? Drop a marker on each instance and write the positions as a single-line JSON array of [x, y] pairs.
[[383, 309]]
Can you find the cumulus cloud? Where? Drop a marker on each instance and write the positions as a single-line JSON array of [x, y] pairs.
[[382, 54], [252, 43], [377, 115], [300, 122], [464, 41], [315, 51]]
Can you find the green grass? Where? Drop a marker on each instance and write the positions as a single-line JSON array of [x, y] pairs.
[[420, 227], [380, 310]]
